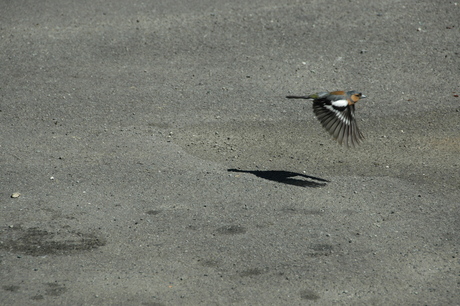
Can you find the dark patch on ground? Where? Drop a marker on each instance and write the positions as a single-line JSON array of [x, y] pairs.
[[38, 242]]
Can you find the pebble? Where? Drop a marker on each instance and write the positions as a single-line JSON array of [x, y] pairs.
[[15, 195]]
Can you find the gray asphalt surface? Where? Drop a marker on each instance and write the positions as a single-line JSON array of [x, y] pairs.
[[157, 161]]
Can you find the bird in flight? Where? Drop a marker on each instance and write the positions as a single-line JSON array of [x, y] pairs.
[[336, 112]]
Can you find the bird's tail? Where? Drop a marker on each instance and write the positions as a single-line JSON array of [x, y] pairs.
[[299, 97]]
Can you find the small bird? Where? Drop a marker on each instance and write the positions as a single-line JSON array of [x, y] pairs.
[[336, 112]]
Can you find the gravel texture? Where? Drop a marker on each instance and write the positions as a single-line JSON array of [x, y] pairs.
[[149, 155]]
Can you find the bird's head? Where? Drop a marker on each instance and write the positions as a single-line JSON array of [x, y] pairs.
[[354, 96]]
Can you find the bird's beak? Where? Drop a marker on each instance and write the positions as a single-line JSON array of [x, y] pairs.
[[363, 96]]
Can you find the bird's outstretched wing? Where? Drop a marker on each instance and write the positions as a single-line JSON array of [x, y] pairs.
[[338, 119]]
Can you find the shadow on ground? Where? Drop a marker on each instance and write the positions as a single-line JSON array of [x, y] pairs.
[[286, 177]]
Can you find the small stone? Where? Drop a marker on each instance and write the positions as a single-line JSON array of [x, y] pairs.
[[15, 195]]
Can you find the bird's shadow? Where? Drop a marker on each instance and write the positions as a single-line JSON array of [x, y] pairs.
[[286, 177]]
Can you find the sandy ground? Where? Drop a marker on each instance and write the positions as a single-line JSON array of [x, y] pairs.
[[159, 163]]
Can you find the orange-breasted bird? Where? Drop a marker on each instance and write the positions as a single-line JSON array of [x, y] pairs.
[[336, 112]]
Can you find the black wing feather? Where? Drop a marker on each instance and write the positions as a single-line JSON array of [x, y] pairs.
[[338, 121]]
